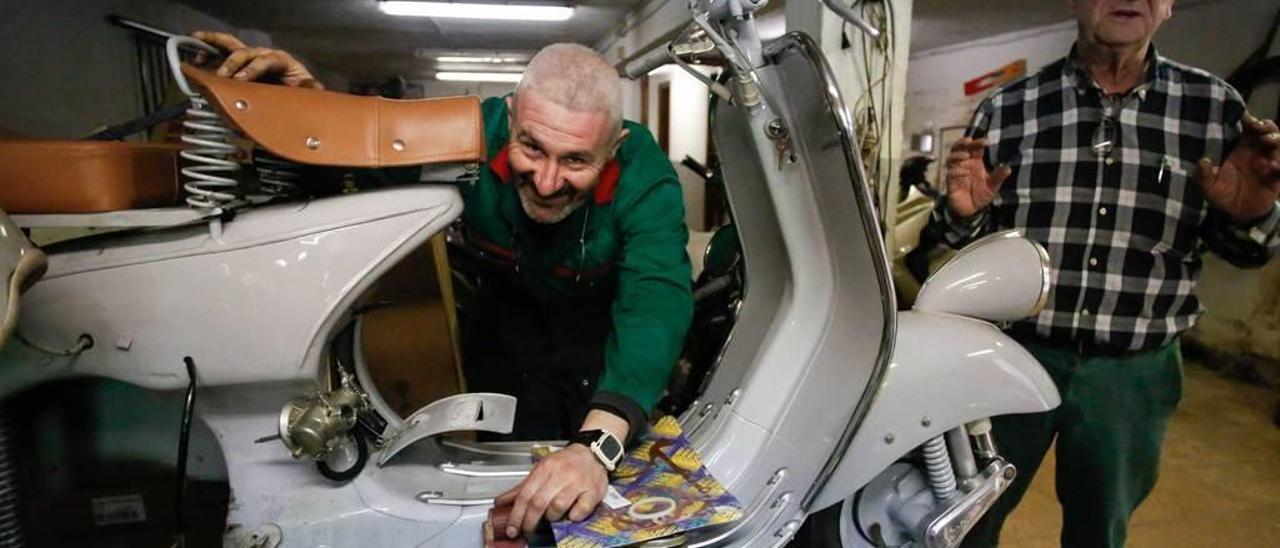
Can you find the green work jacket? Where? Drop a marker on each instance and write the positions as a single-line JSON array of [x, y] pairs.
[[623, 250]]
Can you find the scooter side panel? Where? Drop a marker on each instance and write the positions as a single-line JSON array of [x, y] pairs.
[[254, 304], [946, 371]]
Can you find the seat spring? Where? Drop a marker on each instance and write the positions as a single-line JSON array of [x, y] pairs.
[[210, 181]]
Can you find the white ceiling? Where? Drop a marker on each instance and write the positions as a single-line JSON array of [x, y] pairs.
[[353, 38]]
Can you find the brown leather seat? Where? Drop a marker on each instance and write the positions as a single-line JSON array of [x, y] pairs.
[[86, 176], [303, 125], [336, 129]]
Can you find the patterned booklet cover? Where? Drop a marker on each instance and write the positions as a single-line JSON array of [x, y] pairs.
[[659, 489]]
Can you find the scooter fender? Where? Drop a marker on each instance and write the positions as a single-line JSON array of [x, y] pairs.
[[946, 371]]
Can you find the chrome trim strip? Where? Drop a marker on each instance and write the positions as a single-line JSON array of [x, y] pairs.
[[456, 502], [485, 471], [499, 448], [811, 52], [763, 503], [1046, 281]]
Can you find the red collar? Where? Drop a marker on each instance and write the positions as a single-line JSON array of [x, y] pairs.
[[500, 164]]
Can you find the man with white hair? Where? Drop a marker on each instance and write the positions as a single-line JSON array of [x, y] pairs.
[[582, 285], [1126, 166]]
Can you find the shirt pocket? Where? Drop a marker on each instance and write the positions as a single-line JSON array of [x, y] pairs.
[[1168, 205]]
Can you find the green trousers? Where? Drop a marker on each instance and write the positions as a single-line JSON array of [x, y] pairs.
[[1109, 428]]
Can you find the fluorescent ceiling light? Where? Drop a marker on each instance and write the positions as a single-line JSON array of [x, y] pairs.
[[489, 60], [511, 77], [522, 12]]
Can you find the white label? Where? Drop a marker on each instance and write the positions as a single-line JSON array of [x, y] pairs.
[[118, 509], [614, 500]]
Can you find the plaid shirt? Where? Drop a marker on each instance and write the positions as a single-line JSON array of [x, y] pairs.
[[1124, 228]]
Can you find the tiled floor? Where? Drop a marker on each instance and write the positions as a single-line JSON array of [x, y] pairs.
[[1219, 484]]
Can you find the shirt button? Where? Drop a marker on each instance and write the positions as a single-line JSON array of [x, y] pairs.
[[1093, 261], [1084, 312], [1111, 161], [1102, 211]]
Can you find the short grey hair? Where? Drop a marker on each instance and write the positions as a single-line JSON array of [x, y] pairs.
[[575, 77]]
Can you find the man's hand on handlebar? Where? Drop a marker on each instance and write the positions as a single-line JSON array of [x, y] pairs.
[[251, 64]]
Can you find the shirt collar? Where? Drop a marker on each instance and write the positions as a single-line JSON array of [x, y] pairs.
[[1157, 72], [500, 165]]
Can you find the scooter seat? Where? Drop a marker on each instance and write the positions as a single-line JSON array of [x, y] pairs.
[[41, 176], [316, 127]]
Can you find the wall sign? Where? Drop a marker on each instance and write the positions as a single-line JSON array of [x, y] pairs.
[[1000, 76]]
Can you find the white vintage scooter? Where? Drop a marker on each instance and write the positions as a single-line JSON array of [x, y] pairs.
[[826, 405]]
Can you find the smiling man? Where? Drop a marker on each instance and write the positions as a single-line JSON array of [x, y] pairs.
[[582, 285], [583, 295], [1124, 165]]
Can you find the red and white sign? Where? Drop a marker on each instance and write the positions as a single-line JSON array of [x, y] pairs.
[[1000, 76]]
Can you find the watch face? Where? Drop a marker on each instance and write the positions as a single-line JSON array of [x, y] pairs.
[[610, 446]]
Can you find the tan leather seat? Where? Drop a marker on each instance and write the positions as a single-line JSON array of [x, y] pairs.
[[336, 129], [86, 176], [303, 125]]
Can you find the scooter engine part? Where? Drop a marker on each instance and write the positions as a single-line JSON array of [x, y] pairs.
[[900, 502], [346, 459], [313, 426]]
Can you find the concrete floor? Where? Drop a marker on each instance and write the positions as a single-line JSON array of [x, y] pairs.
[[1219, 481]]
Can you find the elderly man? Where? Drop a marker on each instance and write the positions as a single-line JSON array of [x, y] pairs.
[[1122, 164], [583, 295]]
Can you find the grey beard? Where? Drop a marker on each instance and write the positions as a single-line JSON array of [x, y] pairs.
[[544, 216]]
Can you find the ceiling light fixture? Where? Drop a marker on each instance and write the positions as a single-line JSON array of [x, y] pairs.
[[510, 77], [465, 10], [487, 60]]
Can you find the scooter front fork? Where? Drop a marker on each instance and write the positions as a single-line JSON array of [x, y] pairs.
[[935, 505]]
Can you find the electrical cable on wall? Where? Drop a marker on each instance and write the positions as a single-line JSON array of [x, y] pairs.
[[873, 109]]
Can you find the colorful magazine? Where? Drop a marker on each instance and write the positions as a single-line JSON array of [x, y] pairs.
[[660, 489]]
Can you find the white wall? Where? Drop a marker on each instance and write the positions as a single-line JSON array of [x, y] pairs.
[[645, 24], [935, 79], [688, 108], [687, 127], [67, 70], [848, 66]]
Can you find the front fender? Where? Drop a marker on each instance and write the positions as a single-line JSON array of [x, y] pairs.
[[946, 371]]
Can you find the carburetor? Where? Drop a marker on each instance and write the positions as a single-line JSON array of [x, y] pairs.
[[322, 427]]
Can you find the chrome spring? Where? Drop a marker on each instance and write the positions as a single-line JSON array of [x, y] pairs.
[[210, 181], [938, 464], [276, 176], [10, 517]]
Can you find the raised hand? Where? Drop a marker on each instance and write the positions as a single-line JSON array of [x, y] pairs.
[[970, 187], [245, 63], [1247, 184]]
